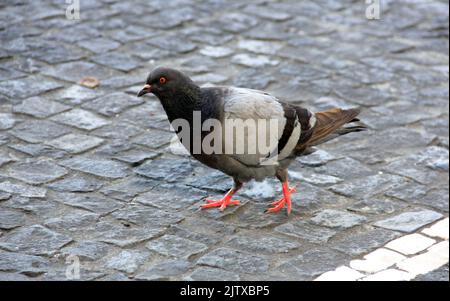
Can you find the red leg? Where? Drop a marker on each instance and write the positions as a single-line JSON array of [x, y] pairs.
[[286, 200], [224, 202]]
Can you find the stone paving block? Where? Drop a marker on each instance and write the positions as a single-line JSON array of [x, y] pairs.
[[236, 22], [59, 274], [117, 131], [128, 261], [366, 187], [254, 79], [146, 215], [437, 198], [165, 169], [410, 244], [306, 231], [136, 156], [81, 119], [76, 183], [27, 87], [435, 257], [34, 240], [36, 172], [216, 51], [35, 131], [5, 158], [76, 143], [76, 94], [41, 207], [7, 121], [235, 261], [342, 273], [119, 61], [264, 47], [10, 219], [75, 71], [94, 203], [192, 229], [13, 277], [128, 188], [375, 206], [420, 166], [73, 221], [315, 179], [23, 189], [177, 247], [181, 197], [262, 245], [165, 270], [97, 166], [440, 274], [99, 45], [409, 221], [87, 250], [440, 229], [389, 275], [311, 264], [38, 150], [39, 107], [211, 274], [362, 242], [253, 61], [337, 219], [123, 235], [4, 196], [153, 138], [378, 260], [22, 263], [267, 13], [112, 104]]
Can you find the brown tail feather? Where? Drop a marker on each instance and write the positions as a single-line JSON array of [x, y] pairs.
[[329, 125]]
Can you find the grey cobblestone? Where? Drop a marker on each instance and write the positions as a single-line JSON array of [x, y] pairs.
[[171, 245], [25, 264], [75, 143], [409, 221], [234, 260], [89, 172], [34, 240], [165, 270], [337, 219]]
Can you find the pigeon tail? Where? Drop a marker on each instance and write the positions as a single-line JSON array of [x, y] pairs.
[[329, 125]]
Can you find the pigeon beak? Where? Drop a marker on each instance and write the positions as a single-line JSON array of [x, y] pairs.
[[147, 89]]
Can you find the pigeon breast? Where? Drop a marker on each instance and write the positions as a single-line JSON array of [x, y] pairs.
[[253, 107]]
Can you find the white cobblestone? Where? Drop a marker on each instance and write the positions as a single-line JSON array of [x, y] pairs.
[[389, 275], [435, 257], [440, 229], [342, 273], [410, 244], [378, 260]]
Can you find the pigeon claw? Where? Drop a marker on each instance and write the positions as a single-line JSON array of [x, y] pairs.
[[223, 203], [219, 203], [286, 200]]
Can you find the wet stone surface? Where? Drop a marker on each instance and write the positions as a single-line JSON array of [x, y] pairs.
[[90, 172]]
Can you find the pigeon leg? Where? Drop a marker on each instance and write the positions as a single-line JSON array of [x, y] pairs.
[[282, 175], [226, 200], [286, 200]]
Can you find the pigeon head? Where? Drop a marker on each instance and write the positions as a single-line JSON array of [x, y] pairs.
[[167, 83]]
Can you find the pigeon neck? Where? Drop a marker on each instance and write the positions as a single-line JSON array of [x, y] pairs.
[[182, 103]]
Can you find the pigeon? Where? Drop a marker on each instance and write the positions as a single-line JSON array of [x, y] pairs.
[[298, 130]]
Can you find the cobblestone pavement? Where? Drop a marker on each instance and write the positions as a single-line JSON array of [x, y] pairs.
[[86, 174]]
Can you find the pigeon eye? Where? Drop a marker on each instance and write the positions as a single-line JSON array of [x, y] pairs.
[[162, 80]]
